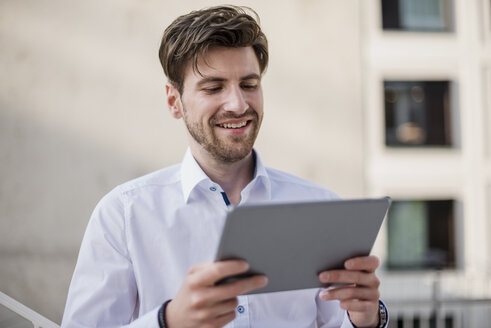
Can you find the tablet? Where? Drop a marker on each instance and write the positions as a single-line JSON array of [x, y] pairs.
[[292, 243]]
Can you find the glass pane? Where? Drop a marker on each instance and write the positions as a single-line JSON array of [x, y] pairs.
[[407, 233], [418, 113], [421, 234], [418, 15], [421, 14]]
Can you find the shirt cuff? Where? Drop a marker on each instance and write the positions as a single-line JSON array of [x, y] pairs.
[[148, 320]]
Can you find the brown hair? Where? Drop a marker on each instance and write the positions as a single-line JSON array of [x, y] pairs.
[[191, 35]]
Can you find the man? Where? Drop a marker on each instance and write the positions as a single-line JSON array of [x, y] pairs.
[[147, 256]]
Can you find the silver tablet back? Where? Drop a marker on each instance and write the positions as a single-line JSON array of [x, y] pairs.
[[292, 243]]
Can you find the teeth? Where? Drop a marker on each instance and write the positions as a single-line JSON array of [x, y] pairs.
[[233, 125]]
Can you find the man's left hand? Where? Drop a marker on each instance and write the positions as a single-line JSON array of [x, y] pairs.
[[360, 297]]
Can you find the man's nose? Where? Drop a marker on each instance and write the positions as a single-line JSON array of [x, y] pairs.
[[235, 101]]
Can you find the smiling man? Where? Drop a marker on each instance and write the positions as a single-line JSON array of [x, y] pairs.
[[147, 256]]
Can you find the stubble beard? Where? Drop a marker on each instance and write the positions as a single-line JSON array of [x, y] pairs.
[[231, 150]]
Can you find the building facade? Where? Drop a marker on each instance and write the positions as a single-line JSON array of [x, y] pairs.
[[427, 119]]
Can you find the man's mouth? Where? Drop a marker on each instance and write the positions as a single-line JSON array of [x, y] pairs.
[[233, 125]]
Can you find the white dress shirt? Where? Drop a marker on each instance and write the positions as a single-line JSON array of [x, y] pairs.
[[145, 235]]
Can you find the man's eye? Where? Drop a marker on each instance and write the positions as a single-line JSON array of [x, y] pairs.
[[249, 86], [212, 89]]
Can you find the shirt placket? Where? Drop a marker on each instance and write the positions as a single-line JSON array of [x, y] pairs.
[[242, 313], [242, 309], [220, 194]]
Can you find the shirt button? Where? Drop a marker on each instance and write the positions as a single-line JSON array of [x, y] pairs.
[[213, 188], [240, 309]]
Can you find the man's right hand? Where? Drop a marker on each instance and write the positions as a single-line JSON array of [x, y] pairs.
[[199, 303]]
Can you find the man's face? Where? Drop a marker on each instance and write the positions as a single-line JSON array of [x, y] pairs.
[[222, 104]]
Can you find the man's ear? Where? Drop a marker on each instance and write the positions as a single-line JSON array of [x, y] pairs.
[[173, 100]]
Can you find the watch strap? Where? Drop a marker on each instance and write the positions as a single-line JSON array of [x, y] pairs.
[[383, 315], [161, 315]]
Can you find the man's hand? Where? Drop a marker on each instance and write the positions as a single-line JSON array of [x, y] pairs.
[[199, 303], [361, 296]]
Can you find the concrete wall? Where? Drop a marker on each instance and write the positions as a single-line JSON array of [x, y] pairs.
[[82, 109]]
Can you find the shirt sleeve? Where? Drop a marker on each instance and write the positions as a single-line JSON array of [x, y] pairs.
[[103, 291]]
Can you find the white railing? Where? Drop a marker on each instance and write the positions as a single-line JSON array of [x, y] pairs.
[[15, 314], [444, 313]]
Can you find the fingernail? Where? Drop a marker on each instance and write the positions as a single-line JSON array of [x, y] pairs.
[[349, 264], [264, 281], [325, 276], [324, 295]]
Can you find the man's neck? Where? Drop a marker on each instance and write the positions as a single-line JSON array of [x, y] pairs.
[[232, 177]]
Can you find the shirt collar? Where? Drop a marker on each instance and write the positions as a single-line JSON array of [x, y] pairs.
[[259, 189], [192, 174]]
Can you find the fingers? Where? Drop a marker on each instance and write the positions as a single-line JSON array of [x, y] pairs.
[[199, 303], [201, 280], [217, 310], [207, 274], [241, 286], [216, 305], [213, 295], [226, 307], [350, 293], [359, 271], [360, 296], [365, 263], [358, 278]]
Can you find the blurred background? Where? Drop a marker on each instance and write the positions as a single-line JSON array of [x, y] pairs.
[[366, 97]]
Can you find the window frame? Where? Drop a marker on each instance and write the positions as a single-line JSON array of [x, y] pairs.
[[454, 242]]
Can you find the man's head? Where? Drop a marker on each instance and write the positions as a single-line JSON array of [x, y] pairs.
[[214, 60], [191, 36]]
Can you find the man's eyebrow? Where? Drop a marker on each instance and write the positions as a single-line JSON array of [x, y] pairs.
[[252, 76], [212, 79]]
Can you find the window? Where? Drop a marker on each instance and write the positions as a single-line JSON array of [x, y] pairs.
[[418, 113], [421, 235], [418, 15]]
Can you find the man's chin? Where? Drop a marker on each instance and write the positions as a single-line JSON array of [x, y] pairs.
[[233, 155]]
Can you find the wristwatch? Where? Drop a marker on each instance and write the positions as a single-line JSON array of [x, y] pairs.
[[161, 315], [383, 315]]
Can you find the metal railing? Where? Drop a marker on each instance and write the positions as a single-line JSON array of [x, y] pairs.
[[15, 314], [441, 313]]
